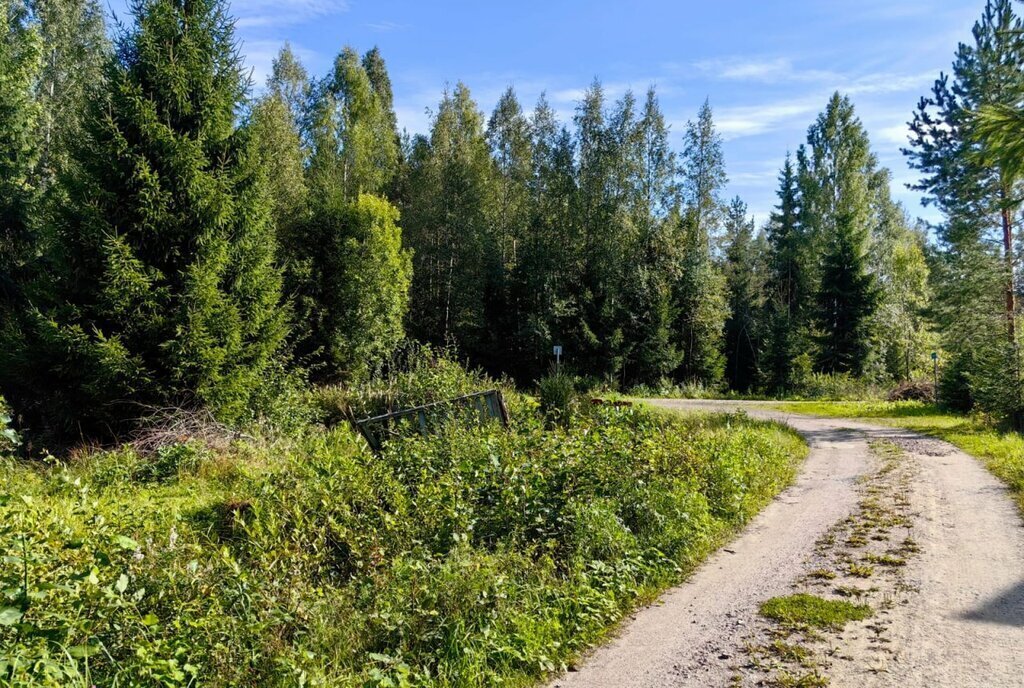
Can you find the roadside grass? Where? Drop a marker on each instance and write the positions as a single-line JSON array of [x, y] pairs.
[[811, 610], [473, 557], [1002, 452]]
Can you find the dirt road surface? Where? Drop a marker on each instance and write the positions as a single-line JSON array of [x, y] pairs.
[[964, 626]]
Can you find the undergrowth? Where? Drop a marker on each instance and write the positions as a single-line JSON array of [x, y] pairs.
[[477, 556]]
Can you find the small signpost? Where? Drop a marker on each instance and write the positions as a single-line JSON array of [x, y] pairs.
[[558, 358]]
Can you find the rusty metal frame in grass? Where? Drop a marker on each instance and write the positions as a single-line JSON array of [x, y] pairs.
[[489, 404]]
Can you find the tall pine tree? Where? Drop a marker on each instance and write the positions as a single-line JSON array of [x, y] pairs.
[[977, 188]]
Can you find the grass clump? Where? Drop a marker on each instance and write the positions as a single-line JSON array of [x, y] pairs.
[[811, 610]]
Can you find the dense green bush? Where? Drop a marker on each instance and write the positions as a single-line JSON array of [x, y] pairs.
[[558, 398], [468, 558]]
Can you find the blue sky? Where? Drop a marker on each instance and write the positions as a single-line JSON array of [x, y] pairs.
[[767, 67]]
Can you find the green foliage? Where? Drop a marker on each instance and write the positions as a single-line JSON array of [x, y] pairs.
[[163, 288], [20, 67], [835, 177], [281, 155], [77, 50], [351, 278], [315, 563], [701, 300], [413, 375], [558, 398], [744, 276], [838, 387], [970, 173], [351, 130], [9, 439], [446, 224]]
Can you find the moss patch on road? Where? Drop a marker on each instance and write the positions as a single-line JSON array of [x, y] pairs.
[[811, 610]]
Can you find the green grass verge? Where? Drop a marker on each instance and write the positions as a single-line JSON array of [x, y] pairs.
[[1001, 452], [476, 557], [814, 611]]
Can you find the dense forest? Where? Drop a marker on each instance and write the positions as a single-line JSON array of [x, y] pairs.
[[173, 236]]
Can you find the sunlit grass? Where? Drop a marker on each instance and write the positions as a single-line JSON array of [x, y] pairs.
[[1002, 452]]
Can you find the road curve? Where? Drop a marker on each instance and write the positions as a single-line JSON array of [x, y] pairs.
[[964, 628]]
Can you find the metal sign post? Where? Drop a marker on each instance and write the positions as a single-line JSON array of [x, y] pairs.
[[558, 358]]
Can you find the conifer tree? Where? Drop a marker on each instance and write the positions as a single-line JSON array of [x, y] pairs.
[[745, 283], [700, 293], [511, 145], [836, 170], [164, 289], [20, 113], [977, 187], [548, 268], [787, 288]]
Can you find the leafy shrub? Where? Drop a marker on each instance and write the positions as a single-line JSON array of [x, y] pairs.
[[320, 564], [558, 398], [9, 439]]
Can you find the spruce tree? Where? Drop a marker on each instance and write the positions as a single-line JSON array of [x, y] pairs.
[[545, 283], [511, 145], [835, 172], [787, 289], [700, 293], [744, 282], [163, 287], [20, 114], [597, 335]]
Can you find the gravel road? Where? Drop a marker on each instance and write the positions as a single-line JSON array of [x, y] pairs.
[[964, 626]]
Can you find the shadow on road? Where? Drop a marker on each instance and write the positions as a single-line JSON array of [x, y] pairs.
[[1006, 609]]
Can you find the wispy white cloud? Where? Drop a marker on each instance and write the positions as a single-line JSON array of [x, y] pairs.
[[765, 70], [386, 26], [274, 13], [751, 120]]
